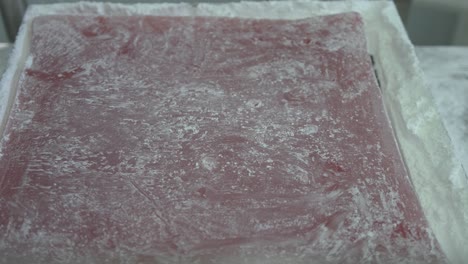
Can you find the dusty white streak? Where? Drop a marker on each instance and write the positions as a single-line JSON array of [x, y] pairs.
[[12, 74]]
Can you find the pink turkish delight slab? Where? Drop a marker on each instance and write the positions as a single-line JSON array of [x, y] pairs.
[[135, 139]]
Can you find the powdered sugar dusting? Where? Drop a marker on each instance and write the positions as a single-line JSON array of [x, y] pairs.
[[372, 16]]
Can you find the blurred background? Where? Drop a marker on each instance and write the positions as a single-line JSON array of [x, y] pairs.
[[428, 22]]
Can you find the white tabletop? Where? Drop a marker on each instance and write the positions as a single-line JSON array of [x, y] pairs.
[[446, 70]]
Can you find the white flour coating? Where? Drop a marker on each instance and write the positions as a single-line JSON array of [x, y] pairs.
[[449, 86], [438, 178]]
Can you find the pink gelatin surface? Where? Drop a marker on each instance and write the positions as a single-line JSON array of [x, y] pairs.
[[204, 140]]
